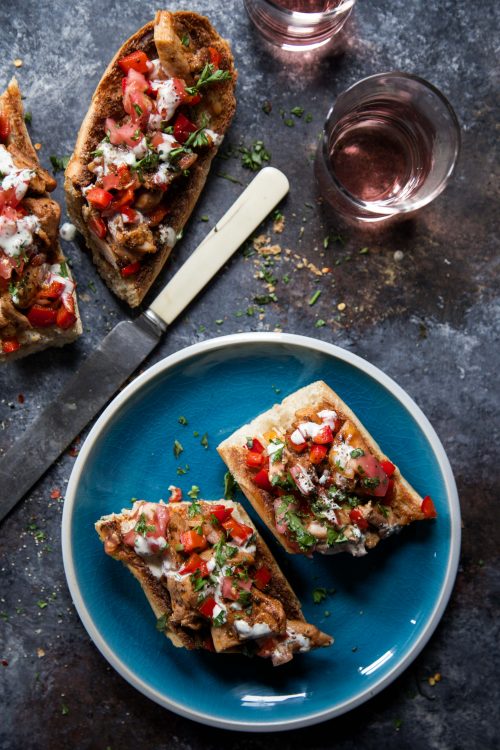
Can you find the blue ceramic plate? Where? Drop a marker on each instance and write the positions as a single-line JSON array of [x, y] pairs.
[[384, 607]]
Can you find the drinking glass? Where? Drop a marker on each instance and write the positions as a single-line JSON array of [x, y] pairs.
[[299, 24], [389, 146]]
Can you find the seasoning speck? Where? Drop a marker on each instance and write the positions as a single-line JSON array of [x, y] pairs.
[[398, 256]]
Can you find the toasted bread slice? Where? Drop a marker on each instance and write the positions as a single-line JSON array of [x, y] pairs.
[[327, 487], [210, 579], [30, 256], [129, 256]]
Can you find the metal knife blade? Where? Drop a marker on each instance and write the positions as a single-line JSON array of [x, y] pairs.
[[122, 351]]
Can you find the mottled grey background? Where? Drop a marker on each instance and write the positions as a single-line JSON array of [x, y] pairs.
[[431, 321]]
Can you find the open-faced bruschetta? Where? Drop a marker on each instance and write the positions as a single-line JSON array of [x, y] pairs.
[[318, 479], [145, 147], [38, 306], [210, 578]]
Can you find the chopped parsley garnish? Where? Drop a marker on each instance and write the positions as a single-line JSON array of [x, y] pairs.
[[194, 509], [142, 526], [162, 622], [253, 158], [371, 482], [297, 111], [277, 455], [383, 509], [185, 40], [138, 110], [208, 76], [315, 297], [308, 117], [223, 552], [182, 420], [41, 604], [204, 440], [198, 139], [357, 452], [63, 269], [150, 161], [244, 598], [64, 709], [319, 595], [304, 539], [194, 492], [230, 486], [320, 323], [334, 536], [177, 448], [182, 469], [265, 299], [59, 163], [364, 251], [218, 621], [28, 118], [286, 483], [197, 581]]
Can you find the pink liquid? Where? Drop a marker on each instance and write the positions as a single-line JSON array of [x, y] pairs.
[[383, 154], [276, 24]]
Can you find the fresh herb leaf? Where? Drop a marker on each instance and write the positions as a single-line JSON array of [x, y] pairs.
[[63, 269], [357, 452], [297, 111], [304, 539], [185, 40], [142, 526], [253, 158], [182, 420], [230, 486], [208, 76], [197, 581], [182, 469], [265, 299], [371, 482], [28, 118], [334, 536], [218, 621], [383, 509], [177, 448], [319, 595], [320, 323], [204, 440], [148, 162], [194, 492], [59, 163], [229, 177], [315, 297]]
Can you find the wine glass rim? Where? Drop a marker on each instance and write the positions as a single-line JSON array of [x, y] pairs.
[[403, 207], [341, 8]]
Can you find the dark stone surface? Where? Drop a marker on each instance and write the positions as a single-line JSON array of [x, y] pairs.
[[431, 321]]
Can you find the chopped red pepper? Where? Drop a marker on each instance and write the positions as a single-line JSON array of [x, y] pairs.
[[65, 318], [193, 564], [256, 446], [183, 128], [10, 345], [176, 494], [240, 532], [53, 291], [98, 227], [317, 454], [129, 215], [325, 435], [262, 577], [261, 479], [358, 518], [207, 607], [191, 540], [428, 508], [254, 459], [131, 269], [298, 448], [123, 198], [41, 317], [221, 512], [99, 198], [157, 215], [215, 57], [136, 60], [4, 129], [388, 467]]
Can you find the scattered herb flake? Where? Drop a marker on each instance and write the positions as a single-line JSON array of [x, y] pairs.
[[289, 122], [267, 107], [182, 420], [286, 279], [193, 494], [250, 311], [28, 118], [253, 158], [297, 111], [219, 321], [59, 163], [64, 709], [230, 486], [265, 299], [204, 440], [364, 251], [208, 75], [229, 177], [177, 448], [185, 40], [319, 594], [41, 604], [308, 117], [320, 323], [204, 217], [315, 297], [182, 469]]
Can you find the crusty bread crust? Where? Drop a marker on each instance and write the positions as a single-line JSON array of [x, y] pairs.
[[158, 595], [33, 340], [406, 504], [107, 102]]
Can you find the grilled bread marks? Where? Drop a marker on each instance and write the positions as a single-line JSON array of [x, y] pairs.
[[146, 145], [210, 579], [317, 477]]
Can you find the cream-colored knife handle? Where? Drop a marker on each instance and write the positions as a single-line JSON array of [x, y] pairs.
[[245, 215]]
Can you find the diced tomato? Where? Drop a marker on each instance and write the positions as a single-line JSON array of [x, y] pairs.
[[175, 494], [229, 590], [4, 129], [215, 57], [262, 577], [428, 508], [193, 564], [157, 215], [221, 512], [324, 436], [207, 607], [135, 101], [358, 518], [162, 517], [10, 345], [388, 497], [261, 479], [183, 128], [7, 265], [131, 269], [254, 459], [388, 467], [240, 532], [157, 139], [99, 198], [128, 134], [123, 198], [52, 291], [129, 216], [111, 182], [256, 446], [98, 227], [180, 90], [298, 448], [41, 317], [317, 453], [129, 538], [191, 540], [373, 478], [65, 318], [119, 179], [136, 61]]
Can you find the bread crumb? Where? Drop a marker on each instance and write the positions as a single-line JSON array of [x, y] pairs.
[[269, 250], [341, 306], [40, 653], [18, 62], [279, 225], [38, 146], [260, 241]]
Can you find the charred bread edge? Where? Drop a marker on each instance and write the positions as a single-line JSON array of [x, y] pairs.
[[283, 414], [133, 290], [40, 338], [281, 590]]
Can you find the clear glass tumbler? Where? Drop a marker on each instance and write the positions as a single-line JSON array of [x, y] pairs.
[[299, 25], [389, 146]]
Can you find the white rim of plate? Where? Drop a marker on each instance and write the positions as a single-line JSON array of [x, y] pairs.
[[300, 342]]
